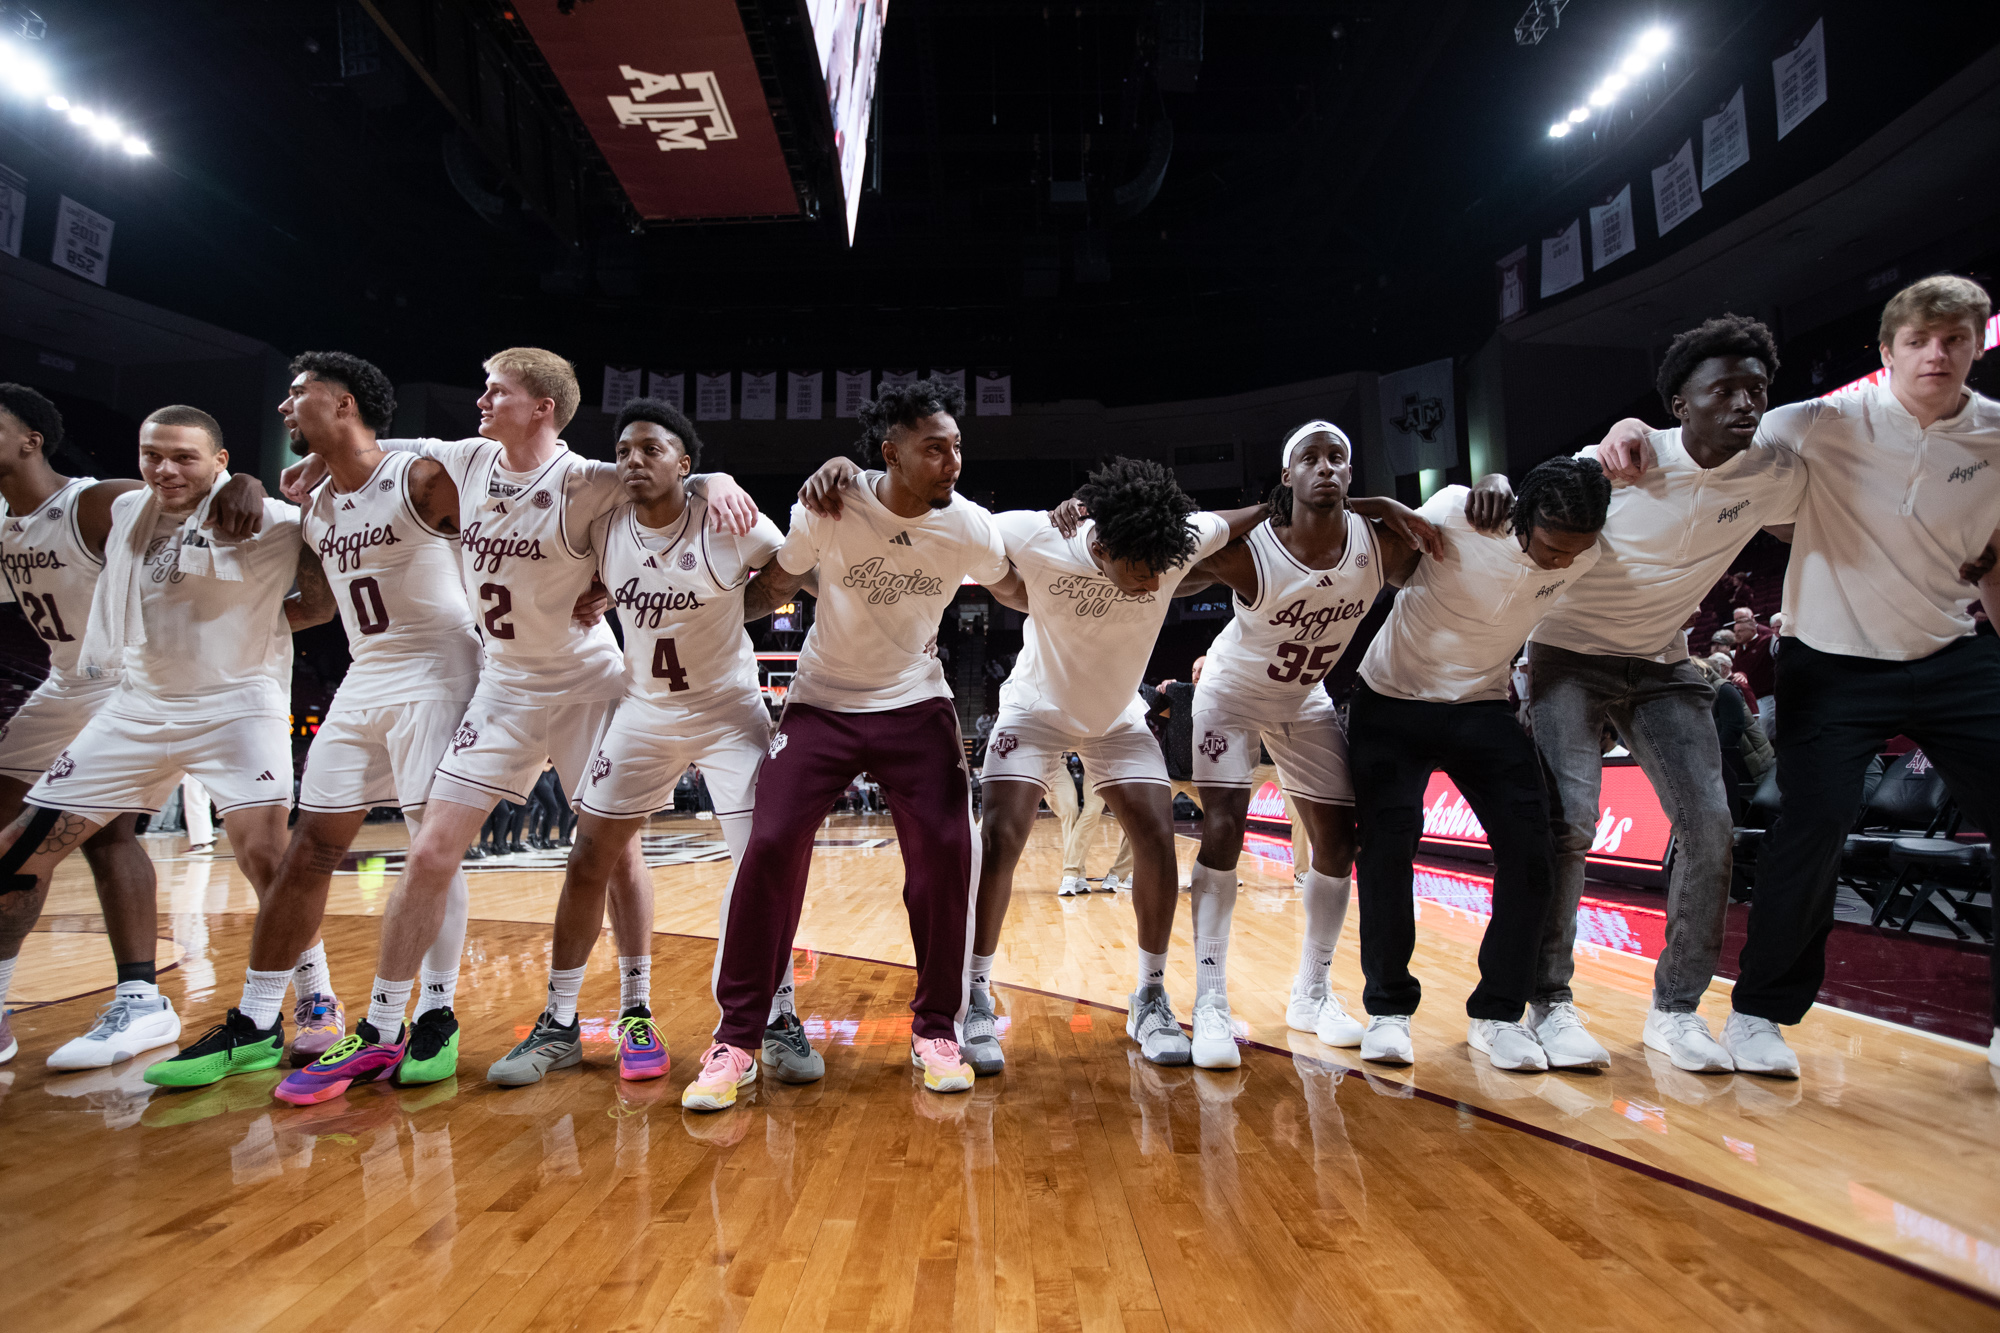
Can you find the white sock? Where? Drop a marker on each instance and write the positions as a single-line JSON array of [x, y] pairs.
[[1152, 969], [1326, 911], [263, 996], [783, 1001], [436, 990], [565, 983], [6, 979], [1214, 898], [138, 990], [386, 1003], [982, 972], [309, 974], [635, 983]]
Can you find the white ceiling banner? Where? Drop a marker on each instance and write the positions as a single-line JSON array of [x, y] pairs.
[[1611, 237], [996, 394], [898, 377], [711, 395], [1801, 78], [83, 241], [668, 386], [1725, 142], [1419, 424], [802, 390], [853, 389], [760, 395], [952, 377], [13, 209], [1676, 197], [621, 386], [1562, 260]]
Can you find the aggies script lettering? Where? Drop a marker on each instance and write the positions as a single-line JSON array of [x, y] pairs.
[[1094, 597], [346, 548], [488, 551], [649, 609], [21, 567], [1313, 625], [886, 587]]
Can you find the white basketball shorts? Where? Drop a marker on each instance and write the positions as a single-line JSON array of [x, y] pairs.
[[365, 757], [645, 751], [119, 764], [499, 749], [1310, 751], [50, 719], [1024, 748]]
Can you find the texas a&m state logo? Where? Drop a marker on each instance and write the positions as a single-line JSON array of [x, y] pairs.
[[464, 738], [1214, 744], [1003, 743]]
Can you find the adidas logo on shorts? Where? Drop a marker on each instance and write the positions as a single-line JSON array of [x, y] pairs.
[[265, 776]]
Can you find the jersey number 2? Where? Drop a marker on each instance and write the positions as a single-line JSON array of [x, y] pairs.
[[47, 620], [496, 614], [667, 666], [1293, 657]]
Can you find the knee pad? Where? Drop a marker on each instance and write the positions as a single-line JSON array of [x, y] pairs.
[[11, 861]]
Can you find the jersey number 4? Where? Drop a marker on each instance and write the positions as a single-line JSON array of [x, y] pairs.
[[667, 666], [1292, 657], [47, 620]]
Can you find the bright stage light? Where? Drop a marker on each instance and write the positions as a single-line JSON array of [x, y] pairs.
[[82, 115], [137, 147], [1559, 129], [1578, 116], [58, 103], [1645, 51], [106, 130], [26, 76]]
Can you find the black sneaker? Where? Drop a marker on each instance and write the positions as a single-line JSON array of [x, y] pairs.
[[234, 1046]]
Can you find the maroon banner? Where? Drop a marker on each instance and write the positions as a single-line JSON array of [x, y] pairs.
[[672, 97]]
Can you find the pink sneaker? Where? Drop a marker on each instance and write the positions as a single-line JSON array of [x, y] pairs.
[[724, 1069], [642, 1051], [945, 1070], [320, 1022], [361, 1058]]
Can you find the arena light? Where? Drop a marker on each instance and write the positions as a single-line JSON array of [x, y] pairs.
[[1651, 45], [24, 75]]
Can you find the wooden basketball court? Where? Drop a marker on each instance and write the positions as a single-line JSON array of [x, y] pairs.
[[1084, 1189]]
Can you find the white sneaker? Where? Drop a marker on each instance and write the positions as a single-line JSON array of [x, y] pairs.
[[1757, 1047], [1110, 884], [1214, 1042], [1507, 1045], [1337, 1027], [1686, 1040], [1302, 1009], [1150, 1021], [1073, 886], [1388, 1040], [125, 1027], [1559, 1030]]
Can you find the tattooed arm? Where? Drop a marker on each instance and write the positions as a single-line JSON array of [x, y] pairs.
[[312, 603]]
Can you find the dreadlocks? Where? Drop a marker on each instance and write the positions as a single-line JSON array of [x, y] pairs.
[[904, 405], [1730, 335], [1564, 494], [1140, 512]]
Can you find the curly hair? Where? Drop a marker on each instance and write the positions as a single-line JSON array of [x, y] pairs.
[[1140, 512], [668, 418], [903, 405], [35, 412], [1564, 494], [1730, 335], [374, 396]]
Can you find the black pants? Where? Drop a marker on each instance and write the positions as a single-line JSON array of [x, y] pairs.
[[1838, 712], [1393, 746]]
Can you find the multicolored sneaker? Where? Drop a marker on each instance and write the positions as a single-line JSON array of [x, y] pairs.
[[642, 1051], [944, 1069], [361, 1057], [236, 1045], [724, 1069], [433, 1053], [321, 1023]]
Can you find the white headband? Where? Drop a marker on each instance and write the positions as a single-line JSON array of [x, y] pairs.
[[1293, 441]]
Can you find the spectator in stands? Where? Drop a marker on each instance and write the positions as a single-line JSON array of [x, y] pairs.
[[1722, 653], [1746, 753], [1755, 656]]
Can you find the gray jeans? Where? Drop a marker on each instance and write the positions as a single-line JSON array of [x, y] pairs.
[[1665, 716]]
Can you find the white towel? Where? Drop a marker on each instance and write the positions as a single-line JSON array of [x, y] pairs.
[[115, 622]]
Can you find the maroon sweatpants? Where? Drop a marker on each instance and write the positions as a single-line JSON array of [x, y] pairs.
[[917, 757]]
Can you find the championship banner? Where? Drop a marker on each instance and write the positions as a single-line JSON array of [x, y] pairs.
[[760, 395], [1419, 426], [668, 386], [1562, 260], [621, 386], [1611, 237], [802, 402], [1676, 197], [853, 389], [953, 377], [1725, 142], [898, 378], [1800, 75], [996, 395], [83, 241], [672, 97], [13, 209], [711, 396]]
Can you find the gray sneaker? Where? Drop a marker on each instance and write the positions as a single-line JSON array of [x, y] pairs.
[[789, 1055], [981, 1045], [549, 1046], [1151, 1022]]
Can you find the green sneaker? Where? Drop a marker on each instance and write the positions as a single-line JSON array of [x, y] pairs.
[[233, 1046], [433, 1053]]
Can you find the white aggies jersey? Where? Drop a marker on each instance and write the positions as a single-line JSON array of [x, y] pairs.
[[52, 573], [679, 595], [523, 571], [395, 580], [1276, 650]]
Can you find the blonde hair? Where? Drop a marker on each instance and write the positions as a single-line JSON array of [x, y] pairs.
[[1944, 298], [543, 374]]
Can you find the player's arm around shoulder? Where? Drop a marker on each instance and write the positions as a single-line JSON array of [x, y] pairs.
[[1233, 566], [93, 511], [434, 495], [311, 601]]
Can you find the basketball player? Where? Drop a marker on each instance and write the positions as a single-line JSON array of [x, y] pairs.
[[384, 526], [1612, 652], [691, 698], [1303, 579], [201, 627], [1095, 602], [547, 685], [1433, 694], [1894, 540], [870, 696]]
